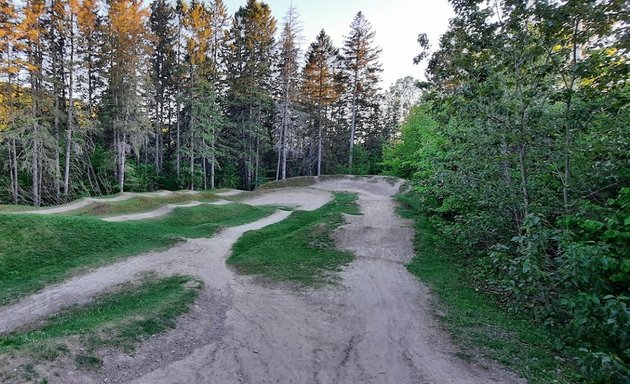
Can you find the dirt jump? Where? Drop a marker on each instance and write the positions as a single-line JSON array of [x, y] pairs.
[[375, 326]]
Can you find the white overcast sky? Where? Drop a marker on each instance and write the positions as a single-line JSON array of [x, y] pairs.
[[397, 24]]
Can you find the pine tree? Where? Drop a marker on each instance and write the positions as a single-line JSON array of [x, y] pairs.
[[127, 38], [163, 62], [56, 48], [70, 22], [220, 24], [363, 68], [249, 60], [288, 82], [9, 68], [31, 31], [318, 88]]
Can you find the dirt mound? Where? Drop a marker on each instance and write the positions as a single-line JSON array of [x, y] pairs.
[[375, 326]]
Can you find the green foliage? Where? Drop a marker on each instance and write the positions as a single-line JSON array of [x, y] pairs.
[[361, 164], [26, 266], [140, 177], [519, 155], [476, 321], [413, 153], [300, 248]]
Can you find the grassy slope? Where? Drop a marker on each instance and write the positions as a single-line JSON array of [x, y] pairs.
[[476, 322], [298, 249], [37, 250], [140, 204], [118, 319]]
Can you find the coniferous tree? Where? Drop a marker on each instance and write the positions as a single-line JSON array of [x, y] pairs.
[[362, 76], [163, 62], [31, 31], [319, 89], [288, 83], [127, 39], [9, 90], [249, 60]]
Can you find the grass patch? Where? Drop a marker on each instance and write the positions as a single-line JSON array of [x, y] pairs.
[[292, 182], [37, 250], [140, 204], [476, 322], [120, 319], [299, 249], [9, 208]]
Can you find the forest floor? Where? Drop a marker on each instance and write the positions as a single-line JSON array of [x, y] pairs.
[[374, 325]]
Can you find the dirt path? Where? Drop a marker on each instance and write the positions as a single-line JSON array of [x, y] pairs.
[[375, 326], [194, 257], [86, 201], [161, 211]]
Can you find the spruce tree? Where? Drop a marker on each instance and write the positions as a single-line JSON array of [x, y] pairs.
[[362, 75], [249, 60], [319, 89], [288, 82], [163, 63]]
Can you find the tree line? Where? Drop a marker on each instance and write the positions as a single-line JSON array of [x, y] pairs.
[[519, 155], [100, 97]]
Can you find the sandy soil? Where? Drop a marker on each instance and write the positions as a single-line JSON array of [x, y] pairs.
[[375, 326]]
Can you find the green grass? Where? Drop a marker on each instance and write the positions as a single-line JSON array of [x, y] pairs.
[[37, 250], [120, 319], [478, 324], [16, 208], [291, 182], [139, 204], [299, 249]]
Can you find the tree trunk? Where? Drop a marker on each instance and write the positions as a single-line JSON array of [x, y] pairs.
[[204, 165], [13, 180], [284, 143], [70, 124], [568, 140], [192, 159], [319, 145], [177, 139], [353, 124], [57, 157], [524, 178], [212, 169], [122, 143]]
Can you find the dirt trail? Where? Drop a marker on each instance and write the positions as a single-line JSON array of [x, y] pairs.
[[375, 326], [86, 201], [230, 192], [161, 211], [194, 257]]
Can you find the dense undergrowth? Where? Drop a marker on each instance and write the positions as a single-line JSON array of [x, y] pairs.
[[519, 157]]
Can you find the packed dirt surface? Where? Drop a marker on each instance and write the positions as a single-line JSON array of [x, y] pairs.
[[374, 326], [229, 192], [86, 201], [162, 211]]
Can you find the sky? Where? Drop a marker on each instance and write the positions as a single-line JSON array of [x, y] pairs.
[[397, 24]]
